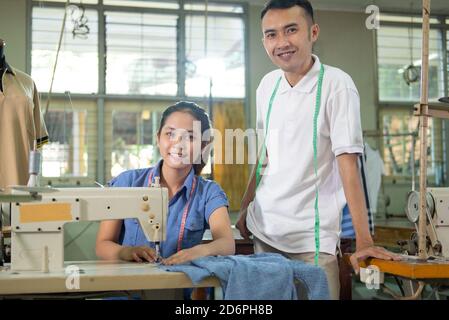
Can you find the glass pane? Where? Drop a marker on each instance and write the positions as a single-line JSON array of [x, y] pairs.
[[416, 19], [167, 4], [141, 54], [400, 129], [224, 62], [214, 7], [77, 68], [66, 153], [42, 3], [398, 48], [134, 143], [447, 61]]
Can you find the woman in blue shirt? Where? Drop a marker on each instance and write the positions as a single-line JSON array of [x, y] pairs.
[[195, 204]]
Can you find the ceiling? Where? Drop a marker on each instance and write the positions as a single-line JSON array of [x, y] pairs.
[[437, 7]]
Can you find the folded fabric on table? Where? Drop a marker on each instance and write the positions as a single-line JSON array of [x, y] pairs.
[[262, 276]]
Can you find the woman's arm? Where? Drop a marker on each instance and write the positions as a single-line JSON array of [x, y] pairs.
[[107, 247], [223, 243], [223, 240]]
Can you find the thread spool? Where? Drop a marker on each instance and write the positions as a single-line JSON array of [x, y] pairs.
[[34, 166]]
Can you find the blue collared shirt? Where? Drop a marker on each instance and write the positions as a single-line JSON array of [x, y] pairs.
[[208, 197]]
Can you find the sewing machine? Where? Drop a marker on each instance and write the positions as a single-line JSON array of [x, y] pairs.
[[38, 216], [437, 222]]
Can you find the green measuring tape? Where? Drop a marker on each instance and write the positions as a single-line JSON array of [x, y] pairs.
[[315, 152]]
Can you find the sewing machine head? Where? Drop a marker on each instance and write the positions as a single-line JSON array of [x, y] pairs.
[[38, 218], [437, 221]]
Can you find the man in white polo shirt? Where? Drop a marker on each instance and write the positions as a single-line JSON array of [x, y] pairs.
[[296, 210]]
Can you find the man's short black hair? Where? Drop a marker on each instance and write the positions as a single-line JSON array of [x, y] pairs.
[[287, 4]]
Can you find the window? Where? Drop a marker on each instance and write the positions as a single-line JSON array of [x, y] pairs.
[[155, 54], [399, 47], [405, 19], [401, 145], [71, 152], [133, 140], [222, 65], [447, 59], [77, 68], [66, 153], [166, 4], [71, 1], [216, 7], [141, 54], [143, 50]]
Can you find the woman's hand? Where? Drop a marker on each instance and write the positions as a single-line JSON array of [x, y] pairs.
[[139, 254], [184, 256], [222, 245]]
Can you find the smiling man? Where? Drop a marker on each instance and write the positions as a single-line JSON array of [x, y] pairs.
[[295, 208]]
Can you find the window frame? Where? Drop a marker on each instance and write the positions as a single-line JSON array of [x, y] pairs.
[[99, 173], [401, 106]]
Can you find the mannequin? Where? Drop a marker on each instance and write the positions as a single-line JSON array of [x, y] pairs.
[[22, 127]]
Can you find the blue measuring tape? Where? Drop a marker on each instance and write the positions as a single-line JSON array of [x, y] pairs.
[[315, 152]]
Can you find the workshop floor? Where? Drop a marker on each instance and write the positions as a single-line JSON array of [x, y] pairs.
[[361, 292]]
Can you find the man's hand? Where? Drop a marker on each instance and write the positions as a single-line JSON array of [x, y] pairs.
[[185, 255], [371, 251], [241, 224]]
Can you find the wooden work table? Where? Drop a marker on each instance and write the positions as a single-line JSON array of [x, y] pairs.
[[99, 276], [387, 233], [412, 269]]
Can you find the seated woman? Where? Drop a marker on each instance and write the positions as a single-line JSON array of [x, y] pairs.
[[195, 204]]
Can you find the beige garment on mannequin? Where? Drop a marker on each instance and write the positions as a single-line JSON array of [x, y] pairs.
[[21, 126]]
